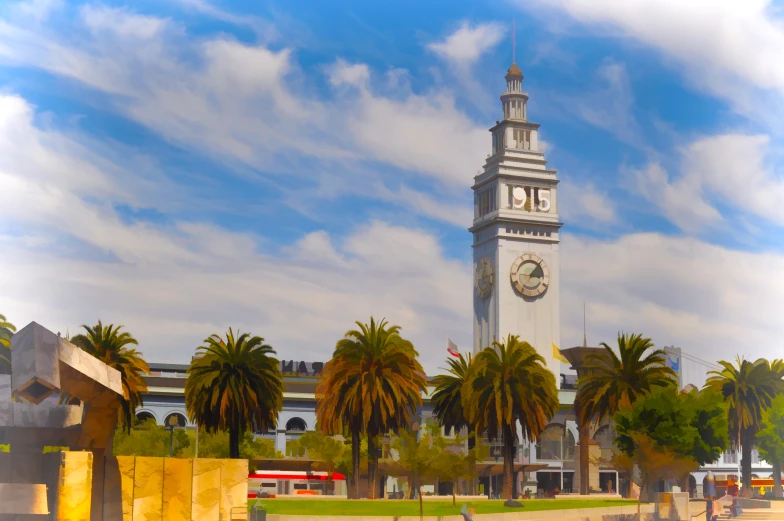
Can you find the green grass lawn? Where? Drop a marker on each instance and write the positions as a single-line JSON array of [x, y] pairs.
[[396, 507]]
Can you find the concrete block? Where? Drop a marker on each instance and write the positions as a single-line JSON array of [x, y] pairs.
[[46, 415], [177, 489], [23, 498], [148, 489], [35, 363], [40, 357], [76, 478], [206, 489], [234, 485]]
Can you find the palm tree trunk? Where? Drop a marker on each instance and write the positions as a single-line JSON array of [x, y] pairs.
[[419, 493], [583, 437], [355, 447], [234, 440], [372, 465], [745, 462], [509, 440], [776, 477], [471, 446]]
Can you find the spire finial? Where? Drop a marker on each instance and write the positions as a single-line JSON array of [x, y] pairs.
[[514, 44], [585, 336]]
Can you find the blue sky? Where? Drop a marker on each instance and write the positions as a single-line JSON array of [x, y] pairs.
[[185, 166]]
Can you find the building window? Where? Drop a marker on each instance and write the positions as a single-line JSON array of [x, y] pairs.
[[556, 444], [522, 139], [498, 141], [296, 425], [143, 416], [485, 202], [731, 457], [181, 421]]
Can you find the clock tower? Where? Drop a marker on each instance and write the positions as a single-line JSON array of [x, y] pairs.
[[515, 229]]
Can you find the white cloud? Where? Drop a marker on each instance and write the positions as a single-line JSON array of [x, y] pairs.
[[731, 171], [461, 51], [732, 49], [174, 285], [419, 133], [469, 42], [586, 204], [743, 39], [36, 9], [609, 107], [714, 302], [122, 22], [344, 73], [443, 207], [252, 105]]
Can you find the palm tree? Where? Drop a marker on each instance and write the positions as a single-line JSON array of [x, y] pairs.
[[507, 383], [234, 385], [613, 381], [6, 330], [373, 384], [748, 389], [447, 398], [110, 346]]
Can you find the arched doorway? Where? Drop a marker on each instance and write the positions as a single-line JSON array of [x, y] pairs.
[[556, 444]]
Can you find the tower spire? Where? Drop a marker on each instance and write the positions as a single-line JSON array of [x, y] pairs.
[[514, 43], [585, 336]]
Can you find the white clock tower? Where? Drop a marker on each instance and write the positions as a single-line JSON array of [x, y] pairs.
[[516, 264]]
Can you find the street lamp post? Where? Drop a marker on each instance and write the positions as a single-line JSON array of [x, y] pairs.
[[172, 423]]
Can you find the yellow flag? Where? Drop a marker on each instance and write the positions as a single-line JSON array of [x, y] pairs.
[[558, 355]]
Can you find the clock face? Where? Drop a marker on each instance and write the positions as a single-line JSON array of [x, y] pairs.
[[484, 277], [530, 275]]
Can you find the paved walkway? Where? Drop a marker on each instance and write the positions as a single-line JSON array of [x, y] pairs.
[[762, 514]]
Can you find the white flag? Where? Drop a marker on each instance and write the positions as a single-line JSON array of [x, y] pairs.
[[452, 348]]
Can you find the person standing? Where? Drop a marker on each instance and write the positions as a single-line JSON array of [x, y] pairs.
[[709, 509]]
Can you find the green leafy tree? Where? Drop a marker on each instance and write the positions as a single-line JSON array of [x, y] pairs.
[[509, 383], [613, 381], [447, 399], [668, 434], [415, 456], [6, 330], [216, 445], [453, 463], [748, 389], [149, 439], [770, 440], [319, 446], [654, 462], [372, 385], [112, 347], [234, 385]]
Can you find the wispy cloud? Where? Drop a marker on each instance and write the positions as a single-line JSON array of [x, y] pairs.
[[733, 172]]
